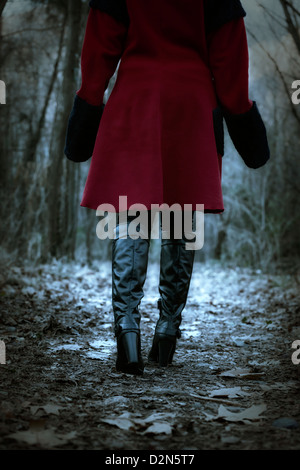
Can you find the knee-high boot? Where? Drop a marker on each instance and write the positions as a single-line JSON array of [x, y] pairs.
[[176, 266], [129, 269]]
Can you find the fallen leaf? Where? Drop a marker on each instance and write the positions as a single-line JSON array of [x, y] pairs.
[[115, 400], [49, 409], [159, 428], [242, 373], [159, 416], [47, 438], [127, 421], [234, 392], [250, 414], [123, 421]]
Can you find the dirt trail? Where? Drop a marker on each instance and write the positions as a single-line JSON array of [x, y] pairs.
[[233, 384]]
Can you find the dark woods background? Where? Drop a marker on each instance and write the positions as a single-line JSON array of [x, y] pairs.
[[41, 190]]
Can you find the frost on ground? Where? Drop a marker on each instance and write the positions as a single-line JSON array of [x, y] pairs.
[[233, 384]]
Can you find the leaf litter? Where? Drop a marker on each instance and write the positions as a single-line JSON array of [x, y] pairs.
[[231, 380]]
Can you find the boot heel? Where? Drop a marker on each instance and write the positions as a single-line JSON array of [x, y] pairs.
[[129, 358], [165, 351], [130, 344]]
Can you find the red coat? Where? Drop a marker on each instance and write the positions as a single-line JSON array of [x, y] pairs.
[[156, 141]]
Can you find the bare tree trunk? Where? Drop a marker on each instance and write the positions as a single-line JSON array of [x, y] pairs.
[[62, 229], [2, 5], [35, 137], [70, 220], [88, 239], [25, 176]]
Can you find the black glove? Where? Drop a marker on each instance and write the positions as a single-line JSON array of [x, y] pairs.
[[248, 134], [82, 130]]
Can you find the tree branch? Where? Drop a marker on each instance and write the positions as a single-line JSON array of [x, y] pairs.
[[281, 75], [2, 5], [291, 27]]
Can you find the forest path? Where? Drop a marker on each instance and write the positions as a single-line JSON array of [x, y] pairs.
[[233, 384]]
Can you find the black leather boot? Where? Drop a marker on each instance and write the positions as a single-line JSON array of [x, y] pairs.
[[176, 266], [129, 269]]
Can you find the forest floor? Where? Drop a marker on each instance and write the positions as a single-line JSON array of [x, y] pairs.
[[233, 384]]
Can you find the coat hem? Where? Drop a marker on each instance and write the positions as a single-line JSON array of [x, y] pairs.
[[206, 211]]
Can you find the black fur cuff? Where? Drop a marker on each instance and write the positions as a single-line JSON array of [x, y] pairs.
[[115, 8], [248, 134], [219, 12], [82, 130]]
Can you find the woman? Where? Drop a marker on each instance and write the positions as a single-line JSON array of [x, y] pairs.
[[183, 68]]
